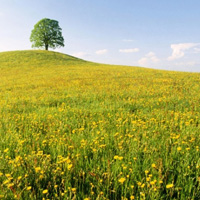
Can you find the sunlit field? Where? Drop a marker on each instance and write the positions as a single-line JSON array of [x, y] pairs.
[[71, 129]]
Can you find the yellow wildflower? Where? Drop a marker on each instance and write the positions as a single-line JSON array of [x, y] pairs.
[[6, 150], [121, 180], [170, 186], [116, 157], [179, 148], [73, 190], [45, 191], [28, 188], [153, 165], [69, 166]]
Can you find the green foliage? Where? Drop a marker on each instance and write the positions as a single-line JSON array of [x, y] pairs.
[[47, 33]]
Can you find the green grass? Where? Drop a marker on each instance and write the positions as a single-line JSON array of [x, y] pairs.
[[72, 129]]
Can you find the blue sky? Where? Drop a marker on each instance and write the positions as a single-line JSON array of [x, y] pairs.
[[151, 33]]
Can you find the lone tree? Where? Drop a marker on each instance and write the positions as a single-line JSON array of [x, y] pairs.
[[47, 33]]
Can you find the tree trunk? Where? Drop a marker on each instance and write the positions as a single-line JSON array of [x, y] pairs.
[[46, 47]]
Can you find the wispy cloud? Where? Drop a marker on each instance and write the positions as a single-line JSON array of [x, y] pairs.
[[143, 61], [80, 54], [178, 50], [100, 52], [196, 50], [129, 50], [149, 58], [152, 56], [127, 40]]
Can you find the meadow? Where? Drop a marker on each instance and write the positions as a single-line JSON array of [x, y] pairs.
[[71, 129]]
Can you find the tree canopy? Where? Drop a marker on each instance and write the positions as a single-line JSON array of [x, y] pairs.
[[47, 33]]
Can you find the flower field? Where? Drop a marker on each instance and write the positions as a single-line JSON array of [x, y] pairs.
[[71, 129]]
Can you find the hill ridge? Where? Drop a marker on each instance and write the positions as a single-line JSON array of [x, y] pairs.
[[35, 57]]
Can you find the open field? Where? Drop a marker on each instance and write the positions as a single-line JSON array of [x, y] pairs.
[[71, 129]]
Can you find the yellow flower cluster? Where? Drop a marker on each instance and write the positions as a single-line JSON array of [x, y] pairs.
[[72, 129]]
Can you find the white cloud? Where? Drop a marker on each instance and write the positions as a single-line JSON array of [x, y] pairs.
[[100, 52], [154, 59], [129, 50], [179, 49], [196, 50], [150, 54], [80, 54], [127, 40], [149, 58], [143, 61]]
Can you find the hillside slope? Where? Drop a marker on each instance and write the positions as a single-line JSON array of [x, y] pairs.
[[72, 129], [35, 58]]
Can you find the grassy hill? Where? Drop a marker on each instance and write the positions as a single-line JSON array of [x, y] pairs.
[[72, 129], [35, 58]]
